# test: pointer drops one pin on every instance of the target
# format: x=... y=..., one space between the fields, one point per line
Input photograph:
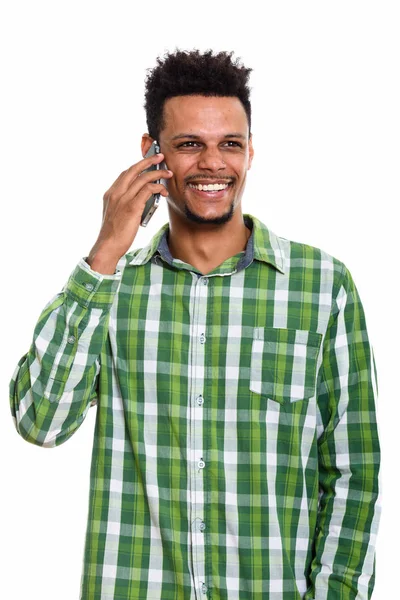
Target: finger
x=140 y=182
x=153 y=175
x=126 y=178
x=144 y=193
x=141 y=166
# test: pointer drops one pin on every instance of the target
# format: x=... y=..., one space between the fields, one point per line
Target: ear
x=251 y=151
x=146 y=143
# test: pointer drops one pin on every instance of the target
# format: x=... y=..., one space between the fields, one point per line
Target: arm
x=348 y=456
x=55 y=383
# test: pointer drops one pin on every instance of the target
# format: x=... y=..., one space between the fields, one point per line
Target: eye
x=229 y=142
x=184 y=144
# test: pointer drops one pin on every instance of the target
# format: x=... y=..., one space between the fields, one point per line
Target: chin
x=196 y=216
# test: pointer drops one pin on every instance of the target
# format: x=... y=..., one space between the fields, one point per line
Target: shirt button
x=204 y=281
x=204 y=588
x=202 y=338
x=71 y=339
x=201 y=464
x=89 y=286
x=202 y=526
x=200 y=400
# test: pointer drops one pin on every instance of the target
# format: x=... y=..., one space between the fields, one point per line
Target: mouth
x=210 y=194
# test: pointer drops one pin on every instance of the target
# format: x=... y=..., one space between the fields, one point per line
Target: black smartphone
x=153 y=202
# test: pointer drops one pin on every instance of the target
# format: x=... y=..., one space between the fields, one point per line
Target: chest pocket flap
x=284 y=363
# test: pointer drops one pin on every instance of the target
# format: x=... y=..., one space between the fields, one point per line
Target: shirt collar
x=266 y=245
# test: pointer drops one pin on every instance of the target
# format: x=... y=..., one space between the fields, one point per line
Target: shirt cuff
x=88 y=287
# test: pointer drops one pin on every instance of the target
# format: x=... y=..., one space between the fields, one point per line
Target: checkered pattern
x=235 y=452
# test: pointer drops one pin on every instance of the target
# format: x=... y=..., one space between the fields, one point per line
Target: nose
x=211 y=159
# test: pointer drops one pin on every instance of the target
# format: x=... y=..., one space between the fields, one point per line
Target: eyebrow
x=198 y=137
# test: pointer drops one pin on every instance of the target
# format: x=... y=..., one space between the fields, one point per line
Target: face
x=205 y=140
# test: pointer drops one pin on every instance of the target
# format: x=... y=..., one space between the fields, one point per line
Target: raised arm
x=54 y=384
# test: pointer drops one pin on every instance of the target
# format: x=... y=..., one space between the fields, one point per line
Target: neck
x=207 y=246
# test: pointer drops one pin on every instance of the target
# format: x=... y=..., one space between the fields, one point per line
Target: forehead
x=204 y=115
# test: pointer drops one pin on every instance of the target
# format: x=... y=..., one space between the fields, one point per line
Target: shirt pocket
x=284 y=363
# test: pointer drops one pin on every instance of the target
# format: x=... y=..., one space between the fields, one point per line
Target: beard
x=200 y=220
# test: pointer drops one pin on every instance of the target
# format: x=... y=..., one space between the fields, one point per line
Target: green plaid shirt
x=236 y=452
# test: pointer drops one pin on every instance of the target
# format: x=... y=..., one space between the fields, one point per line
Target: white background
x=326 y=129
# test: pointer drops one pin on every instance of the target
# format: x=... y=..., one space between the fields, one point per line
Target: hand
x=123 y=205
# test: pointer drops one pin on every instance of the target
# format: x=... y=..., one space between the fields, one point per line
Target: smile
x=210 y=191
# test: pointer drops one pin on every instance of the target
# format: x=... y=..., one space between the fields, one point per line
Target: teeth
x=209 y=187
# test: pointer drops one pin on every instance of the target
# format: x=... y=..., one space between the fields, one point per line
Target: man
x=236 y=451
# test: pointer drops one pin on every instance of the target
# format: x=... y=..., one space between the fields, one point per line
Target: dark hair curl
x=186 y=73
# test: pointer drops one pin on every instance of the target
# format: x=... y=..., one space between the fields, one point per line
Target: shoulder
x=303 y=260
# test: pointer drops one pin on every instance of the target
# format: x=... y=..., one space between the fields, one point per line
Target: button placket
x=199 y=312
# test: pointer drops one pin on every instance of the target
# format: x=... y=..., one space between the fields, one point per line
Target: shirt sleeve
x=349 y=510
x=55 y=383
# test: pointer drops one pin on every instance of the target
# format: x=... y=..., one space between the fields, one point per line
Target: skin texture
x=204 y=233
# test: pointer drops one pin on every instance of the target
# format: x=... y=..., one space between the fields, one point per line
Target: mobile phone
x=153 y=202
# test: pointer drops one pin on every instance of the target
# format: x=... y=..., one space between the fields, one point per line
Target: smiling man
x=236 y=452
x=213 y=147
